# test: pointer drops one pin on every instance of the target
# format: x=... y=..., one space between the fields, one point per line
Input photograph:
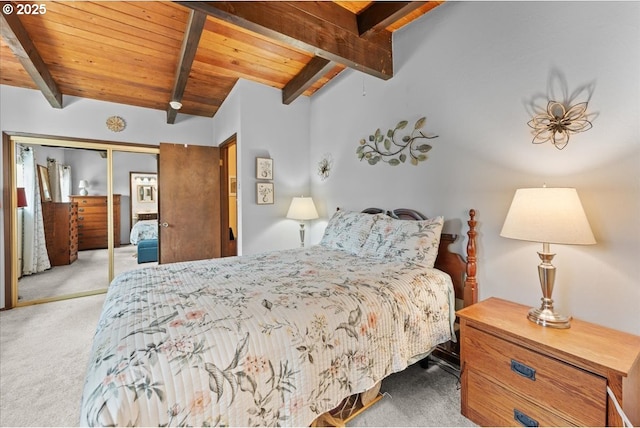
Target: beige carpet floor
x=89 y=272
x=44 y=350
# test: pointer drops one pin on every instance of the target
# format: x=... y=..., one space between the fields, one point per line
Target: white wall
x=266 y=128
x=473 y=68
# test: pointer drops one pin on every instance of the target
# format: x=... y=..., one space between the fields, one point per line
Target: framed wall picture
x=233 y=185
x=145 y=193
x=264 y=169
x=264 y=193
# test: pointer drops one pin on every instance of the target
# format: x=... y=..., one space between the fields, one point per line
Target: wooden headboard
x=461 y=269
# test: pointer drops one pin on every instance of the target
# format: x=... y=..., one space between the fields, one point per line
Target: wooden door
x=188 y=202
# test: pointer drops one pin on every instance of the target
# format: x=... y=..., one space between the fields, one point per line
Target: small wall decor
x=264 y=169
x=388 y=149
x=557 y=123
x=116 y=123
x=233 y=185
x=324 y=166
x=264 y=193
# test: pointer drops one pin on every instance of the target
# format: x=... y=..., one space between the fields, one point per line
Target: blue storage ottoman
x=147 y=251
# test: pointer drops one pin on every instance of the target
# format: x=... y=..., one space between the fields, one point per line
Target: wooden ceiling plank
x=78 y=41
x=110 y=20
x=219 y=34
x=237 y=58
x=71 y=52
x=76 y=24
x=16 y=36
x=89 y=83
x=381 y=14
x=192 y=33
x=156 y=13
x=215 y=67
x=410 y=17
x=282 y=22
x=315 y=69
x=353 y=6
x=337 y=69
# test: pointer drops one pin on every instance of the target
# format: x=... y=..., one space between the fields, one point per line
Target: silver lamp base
x=547 y=317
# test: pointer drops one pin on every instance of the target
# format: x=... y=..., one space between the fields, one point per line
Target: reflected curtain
x=59 y=180
x=34 y=246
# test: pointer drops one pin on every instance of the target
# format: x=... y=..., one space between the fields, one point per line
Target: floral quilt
x=270 y=339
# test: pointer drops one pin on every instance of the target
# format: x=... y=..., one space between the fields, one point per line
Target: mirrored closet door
x=70 y=219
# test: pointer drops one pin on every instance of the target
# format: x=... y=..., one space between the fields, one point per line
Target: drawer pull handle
x=524 y=419
x=523 y=370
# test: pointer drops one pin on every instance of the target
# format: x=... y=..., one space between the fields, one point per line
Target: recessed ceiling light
x=176 y=105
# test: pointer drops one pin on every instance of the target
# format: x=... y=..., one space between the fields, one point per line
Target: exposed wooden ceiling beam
x=381 y=14
x=287 y=23
x=16 y=36
x=192 y=34
x=315 y=69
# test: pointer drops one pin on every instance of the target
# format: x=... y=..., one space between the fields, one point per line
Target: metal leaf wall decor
x=557 y=123
x=392 y=149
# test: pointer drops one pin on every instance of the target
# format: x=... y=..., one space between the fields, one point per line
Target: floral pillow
x=348 y=230
x=404 y=240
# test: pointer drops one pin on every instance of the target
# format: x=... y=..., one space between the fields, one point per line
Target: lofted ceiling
x=148 y=53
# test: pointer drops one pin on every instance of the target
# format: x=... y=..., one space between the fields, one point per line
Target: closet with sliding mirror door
x=64 y=238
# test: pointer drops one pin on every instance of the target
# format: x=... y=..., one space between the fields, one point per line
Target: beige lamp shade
x=302 y=208
x=548 y=215
x=22 y=197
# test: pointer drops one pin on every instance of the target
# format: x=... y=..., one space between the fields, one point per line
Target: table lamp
x=302 y=209
x=83 y=186
x=549 y=216
x=22 y=197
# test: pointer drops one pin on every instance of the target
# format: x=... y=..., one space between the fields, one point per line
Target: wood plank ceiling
x=148 y=53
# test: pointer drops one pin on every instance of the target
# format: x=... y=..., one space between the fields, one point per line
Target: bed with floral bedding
x=143 y=229
x=276 y=338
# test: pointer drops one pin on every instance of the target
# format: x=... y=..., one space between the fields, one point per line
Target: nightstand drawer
x=492 y=405
x=569 y=392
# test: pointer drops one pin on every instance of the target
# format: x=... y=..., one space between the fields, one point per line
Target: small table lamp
x=302 y=209
x=547 y=215
x=83 y=186
x=22 y=197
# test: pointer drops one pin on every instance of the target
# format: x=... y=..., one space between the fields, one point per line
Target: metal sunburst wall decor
x=557 y=123
x=388 y=149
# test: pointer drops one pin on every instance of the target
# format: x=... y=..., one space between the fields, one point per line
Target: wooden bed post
x=470 y=283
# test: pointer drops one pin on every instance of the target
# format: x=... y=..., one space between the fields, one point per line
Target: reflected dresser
x=61 y=232
x=92 y=221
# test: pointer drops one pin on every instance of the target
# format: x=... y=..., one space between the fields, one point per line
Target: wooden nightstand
x=517 y=372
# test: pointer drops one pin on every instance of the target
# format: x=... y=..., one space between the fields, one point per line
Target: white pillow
x=348 y=230
x=408 y=241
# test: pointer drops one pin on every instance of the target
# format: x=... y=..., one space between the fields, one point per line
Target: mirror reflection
x=62 y=244
x=50 y=261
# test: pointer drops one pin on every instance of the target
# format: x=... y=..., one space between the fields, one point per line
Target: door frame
x=224 y=193
x=9 y=199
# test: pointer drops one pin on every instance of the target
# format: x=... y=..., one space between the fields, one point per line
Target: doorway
x=229 y=196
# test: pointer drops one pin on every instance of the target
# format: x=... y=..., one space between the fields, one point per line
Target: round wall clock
x=116 y=123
